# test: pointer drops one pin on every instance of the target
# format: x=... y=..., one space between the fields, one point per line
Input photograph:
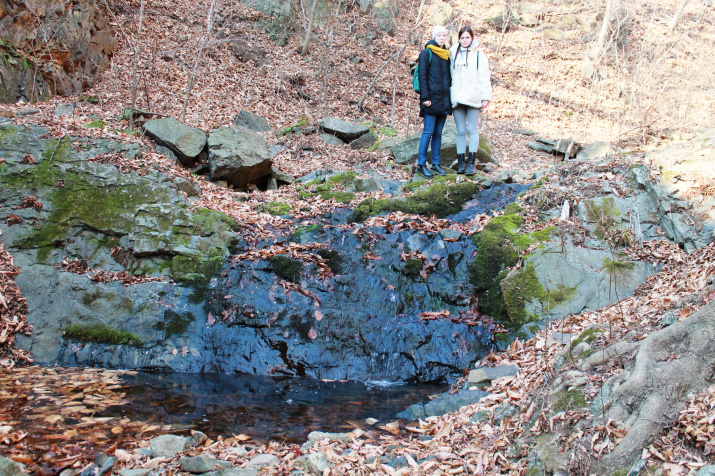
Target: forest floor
x=657 y=92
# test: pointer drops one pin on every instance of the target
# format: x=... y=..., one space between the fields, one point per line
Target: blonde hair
x=437 y=30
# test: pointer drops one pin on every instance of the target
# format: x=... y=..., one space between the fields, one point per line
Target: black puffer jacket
x=435 y=81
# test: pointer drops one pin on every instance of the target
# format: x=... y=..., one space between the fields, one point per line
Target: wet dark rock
x=444 y=403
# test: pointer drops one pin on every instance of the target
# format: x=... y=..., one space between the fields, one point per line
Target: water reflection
x=263 y=408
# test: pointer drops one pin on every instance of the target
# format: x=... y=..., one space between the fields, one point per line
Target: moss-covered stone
x=588 y=336
x=286 y=268
x=101 y=334
x=523 y=287
x=96 y=124
x=440 y=200
x=604 y=214
x=344 y=179
x=333 y=259
x=273 y=208
x=569 y=400
x=304 y=233
x=413 y=267
x=174 y=324
x=614 y=266
x=499 y=246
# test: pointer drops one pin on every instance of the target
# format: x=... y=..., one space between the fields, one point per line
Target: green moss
x=502 y=338
x=409 y=299
x=174 y=323
x=342 y=197
x=96 y=124
x=523 y=287
x=413 y=267
x=605 y=215
x=196 y=269
x=513 y=208
x=273 y=208
x=89 y=99
x=440 y=199
x=286 y=268
x=304 y=232
x=333 y=258
x=614 y=266
x=302 y=121
x=90 y=299
x=588 y=336
x=344 y=178
x=101 y=334
x=569 y=400
x=387 y=131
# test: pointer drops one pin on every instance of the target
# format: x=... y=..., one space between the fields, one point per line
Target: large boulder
x=252 y=121
x=187 y=143
x=343 y=130
x=239 y=156
x=65 y=62
x=560 y=279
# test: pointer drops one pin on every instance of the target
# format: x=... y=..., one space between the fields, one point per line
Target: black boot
x=471 y=158
x=437 y=170
x=424 y=171
x=460 y=163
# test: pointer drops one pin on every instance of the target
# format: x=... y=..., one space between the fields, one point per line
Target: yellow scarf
x=441 y=52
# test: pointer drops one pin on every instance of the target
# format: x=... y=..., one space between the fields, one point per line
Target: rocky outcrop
x=188 y=144
x=343 y=130
x=52 y=48
x=252 y=121
x=239 y=156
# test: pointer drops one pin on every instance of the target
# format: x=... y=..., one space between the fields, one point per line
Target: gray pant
x=467 y=118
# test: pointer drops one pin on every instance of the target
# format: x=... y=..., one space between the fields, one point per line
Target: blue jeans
x=431 y=133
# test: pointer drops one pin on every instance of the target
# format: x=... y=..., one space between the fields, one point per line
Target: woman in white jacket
x=471 y=92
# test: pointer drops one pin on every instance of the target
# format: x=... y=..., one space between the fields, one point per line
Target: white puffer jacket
x=470 y=86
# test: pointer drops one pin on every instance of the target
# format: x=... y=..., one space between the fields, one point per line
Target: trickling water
x=263 y=408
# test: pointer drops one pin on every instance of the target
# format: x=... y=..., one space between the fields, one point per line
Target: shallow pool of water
x=263 y=408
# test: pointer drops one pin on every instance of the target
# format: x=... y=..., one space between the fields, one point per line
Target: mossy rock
x=413 y=268
x=523 y=287
x=333 y=258
x=101 y=334
x=440 y=199
x=569 y=400
x=286 y=268
x=499 y=246
x=174 y=324
x=273 y=208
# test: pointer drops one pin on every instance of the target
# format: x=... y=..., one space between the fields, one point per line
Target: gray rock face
x=313 y=463
x=363 y=142
x=596 y=150
x=10 y=468
x=574 y=279
x=201 y=464
x=168 y=445
x=187 y=143
x=708 y=470
x=263 y=461
x=281 y=176
x=252 y=121
x=487 y=374
x=445 y=403
x=330 y=139
x=238 y=156
x=343 y=130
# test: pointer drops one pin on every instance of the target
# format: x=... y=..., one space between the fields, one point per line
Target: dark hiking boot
x=461 y=163
x=437 y=170
x=424 y=171
x=471 y=158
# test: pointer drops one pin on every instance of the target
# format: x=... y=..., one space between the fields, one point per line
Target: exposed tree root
x=669 y=364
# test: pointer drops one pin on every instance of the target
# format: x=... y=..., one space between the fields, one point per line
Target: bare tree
x=309 y=31
x=204 y=42
x=603 y=33
x=676 y=16
x=136 y=63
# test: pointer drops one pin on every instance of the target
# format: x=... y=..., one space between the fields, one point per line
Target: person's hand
x=485 y=104
x=427 y=103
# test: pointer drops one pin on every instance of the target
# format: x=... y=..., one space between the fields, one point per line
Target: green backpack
x=416 y=73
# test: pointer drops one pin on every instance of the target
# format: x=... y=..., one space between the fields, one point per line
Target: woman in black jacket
x=435 y=104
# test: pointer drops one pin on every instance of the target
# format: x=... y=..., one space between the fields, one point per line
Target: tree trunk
x=605 y=28
x=309 y=31
x=676 y=16
x=136 y=62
